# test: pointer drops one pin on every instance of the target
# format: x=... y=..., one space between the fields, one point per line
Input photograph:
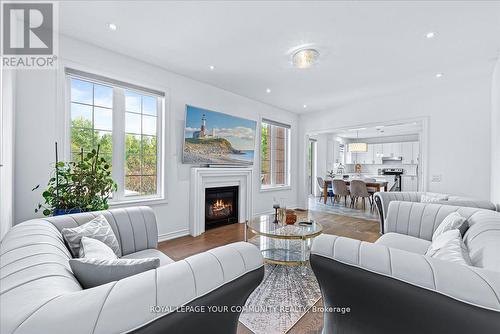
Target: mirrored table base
x=292 y=252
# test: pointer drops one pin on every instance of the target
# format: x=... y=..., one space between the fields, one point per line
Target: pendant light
x=358 y=146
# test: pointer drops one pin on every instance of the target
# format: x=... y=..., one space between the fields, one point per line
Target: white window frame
x=118 y=174
x=273 y=186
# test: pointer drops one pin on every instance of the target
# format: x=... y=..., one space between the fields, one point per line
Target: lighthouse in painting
x=203 y=125
x=203 y=129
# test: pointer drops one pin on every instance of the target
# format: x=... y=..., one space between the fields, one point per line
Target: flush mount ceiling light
x=439 y=75
x=268 y=90
x=430 y=34
x=112 y=26
x=212 y=67
x=305 y=106
x=305 y=58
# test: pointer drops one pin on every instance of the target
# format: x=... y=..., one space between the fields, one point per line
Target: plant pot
x=60 y=212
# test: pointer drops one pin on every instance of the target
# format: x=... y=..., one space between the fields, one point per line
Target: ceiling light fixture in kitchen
x=358 y=146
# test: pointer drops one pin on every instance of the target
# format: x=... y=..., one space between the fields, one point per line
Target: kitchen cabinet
x=369 y=158
x=396 y=147
x=415 y=152
x=410 y=152
x=365 y=158
x=407 y=152
x=350 y=157
x=409 y=183
x=378 y=153
x=391 y=149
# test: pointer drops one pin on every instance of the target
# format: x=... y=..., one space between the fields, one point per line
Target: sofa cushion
x=94 y=272
x=95 y=249
x=453 y=221
x=449 y=246
x=98 y=228
x=149 y=253
x=404 y=242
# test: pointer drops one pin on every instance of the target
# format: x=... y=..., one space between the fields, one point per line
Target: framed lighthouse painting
x=212 y=137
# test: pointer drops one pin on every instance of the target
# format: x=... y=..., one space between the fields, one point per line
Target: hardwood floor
x=351 y=227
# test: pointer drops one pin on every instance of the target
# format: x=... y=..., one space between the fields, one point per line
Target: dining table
x=379 y=185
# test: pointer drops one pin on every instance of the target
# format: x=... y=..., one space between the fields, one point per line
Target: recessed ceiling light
x=268 y=90
x=305 y=58
x=430 y=35
x=439 y=75
x=212 y=67
x=112 y=26
x=305 y=106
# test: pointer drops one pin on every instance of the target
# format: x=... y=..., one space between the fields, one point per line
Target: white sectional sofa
x=39 y=294
x=392 y=287
x=383 y=199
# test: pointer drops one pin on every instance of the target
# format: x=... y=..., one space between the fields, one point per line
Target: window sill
x=275 y=188
x=138 y=201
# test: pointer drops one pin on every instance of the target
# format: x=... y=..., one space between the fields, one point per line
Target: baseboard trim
x=173 y=235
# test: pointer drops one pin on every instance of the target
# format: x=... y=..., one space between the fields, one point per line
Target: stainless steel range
x=397 y=172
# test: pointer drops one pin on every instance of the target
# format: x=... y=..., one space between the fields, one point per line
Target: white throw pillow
x=449 y=246
x=95 y=249
x=433 y=197
x=451 y=222
x=98 y=228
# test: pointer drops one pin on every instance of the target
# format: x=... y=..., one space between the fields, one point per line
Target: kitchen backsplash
x=373 y=169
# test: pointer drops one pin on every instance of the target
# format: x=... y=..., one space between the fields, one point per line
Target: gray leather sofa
x=391 y=287
x=382 y=199
x=39 y=294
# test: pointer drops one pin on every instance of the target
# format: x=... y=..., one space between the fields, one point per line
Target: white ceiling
x=364 y=45
x=382 y=131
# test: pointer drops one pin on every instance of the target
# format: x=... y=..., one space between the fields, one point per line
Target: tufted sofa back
x=421 y=220
x=132 y=237
x=483 y=239
x=34 y=267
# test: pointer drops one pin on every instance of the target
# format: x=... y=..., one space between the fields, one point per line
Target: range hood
x=392 y=159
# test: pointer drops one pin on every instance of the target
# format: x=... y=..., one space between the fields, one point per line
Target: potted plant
x=78 y=186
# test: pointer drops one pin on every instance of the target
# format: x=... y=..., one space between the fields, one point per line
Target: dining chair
x=340 y=190
x=321 y=185
x=359 y=190
x=371 y=190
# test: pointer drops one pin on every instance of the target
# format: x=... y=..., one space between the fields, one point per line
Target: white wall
x=495 y=136
x=7 y=104
x=458 y=110
x=39 y=122
x=321 y=159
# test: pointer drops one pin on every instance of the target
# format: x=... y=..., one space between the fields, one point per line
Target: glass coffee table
x=282 y=244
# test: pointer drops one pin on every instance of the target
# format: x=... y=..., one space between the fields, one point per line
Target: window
x=125 y=122
x=275 y=154
x=91 y=118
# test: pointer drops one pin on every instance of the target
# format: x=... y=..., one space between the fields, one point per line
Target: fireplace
x=221 y=206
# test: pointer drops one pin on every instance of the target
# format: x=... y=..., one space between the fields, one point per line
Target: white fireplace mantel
x=202 y=178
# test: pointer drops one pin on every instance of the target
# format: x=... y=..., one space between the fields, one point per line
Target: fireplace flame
x=220 y=205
